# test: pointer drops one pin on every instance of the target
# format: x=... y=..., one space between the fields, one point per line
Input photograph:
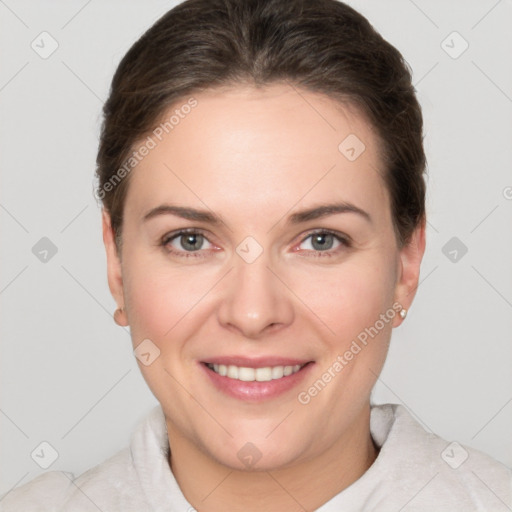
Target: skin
x=254 y=157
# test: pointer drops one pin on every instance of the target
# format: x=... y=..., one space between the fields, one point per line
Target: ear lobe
x=411 y=256
x=114 y=272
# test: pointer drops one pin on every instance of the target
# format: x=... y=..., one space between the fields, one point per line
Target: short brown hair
x=323 y=46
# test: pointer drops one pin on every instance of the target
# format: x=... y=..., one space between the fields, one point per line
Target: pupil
x=190 y=241
x=320 y=240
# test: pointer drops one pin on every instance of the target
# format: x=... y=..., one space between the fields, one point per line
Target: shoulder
x=115 y=484
x=46 y=492
x=59 y=490
x=439 y=471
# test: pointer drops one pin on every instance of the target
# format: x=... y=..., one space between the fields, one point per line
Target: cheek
x=150 y=302
x=163 y=301
x=161 y=306
x=351 y=297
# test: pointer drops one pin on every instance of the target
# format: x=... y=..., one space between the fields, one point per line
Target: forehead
x=263 y=147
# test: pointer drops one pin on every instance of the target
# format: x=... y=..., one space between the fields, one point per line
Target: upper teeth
x=254 y=374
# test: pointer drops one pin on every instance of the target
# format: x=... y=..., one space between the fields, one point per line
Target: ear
x=410 y=257
x=114 y=272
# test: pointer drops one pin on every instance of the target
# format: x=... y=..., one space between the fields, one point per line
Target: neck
x=301 y=486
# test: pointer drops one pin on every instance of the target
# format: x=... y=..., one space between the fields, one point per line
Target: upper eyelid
x=174 y=234
x=338 y=236
x=171 y=236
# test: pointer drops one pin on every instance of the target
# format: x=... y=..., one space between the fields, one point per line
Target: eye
x=185 y=241
x=324 y=241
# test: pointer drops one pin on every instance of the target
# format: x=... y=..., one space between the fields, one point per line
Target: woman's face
x=289 y=264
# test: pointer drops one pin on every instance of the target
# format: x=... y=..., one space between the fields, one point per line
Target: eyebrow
x=302 y=216
x=318 y=212
x=184 y=213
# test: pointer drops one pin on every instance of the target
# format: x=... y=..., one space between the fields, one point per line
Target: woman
x=261 y=172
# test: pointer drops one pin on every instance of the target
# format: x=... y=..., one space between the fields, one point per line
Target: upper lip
x=256 y=362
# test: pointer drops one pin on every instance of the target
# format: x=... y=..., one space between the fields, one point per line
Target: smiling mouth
x=246 y=374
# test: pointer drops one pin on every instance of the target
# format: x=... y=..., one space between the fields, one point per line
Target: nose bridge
x=254 y=280
x=255 y=298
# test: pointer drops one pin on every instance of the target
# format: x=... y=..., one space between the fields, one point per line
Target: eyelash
x=166 y=239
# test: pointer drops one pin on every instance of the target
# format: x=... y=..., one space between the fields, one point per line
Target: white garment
x=409 y=474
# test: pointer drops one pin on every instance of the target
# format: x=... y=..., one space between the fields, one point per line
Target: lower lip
x=256 y=391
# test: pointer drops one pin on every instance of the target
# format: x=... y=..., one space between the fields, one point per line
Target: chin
x=252 y=457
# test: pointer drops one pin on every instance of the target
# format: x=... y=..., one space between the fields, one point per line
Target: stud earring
x=403 y=313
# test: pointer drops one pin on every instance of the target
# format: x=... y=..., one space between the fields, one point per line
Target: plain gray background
x=68 y=375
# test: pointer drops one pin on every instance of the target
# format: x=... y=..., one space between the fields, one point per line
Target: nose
x=255 y=301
